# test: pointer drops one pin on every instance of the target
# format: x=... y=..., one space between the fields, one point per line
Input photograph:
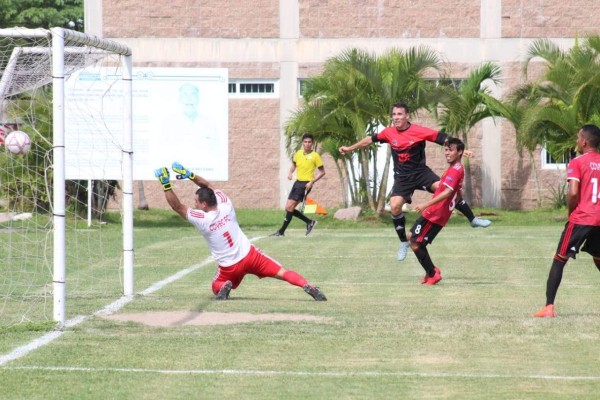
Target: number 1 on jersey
x=227 y=237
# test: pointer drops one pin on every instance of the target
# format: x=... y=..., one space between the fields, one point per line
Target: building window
x=301 y=87
x=548 y=162
x=257 y=88
x=455 y=82
x=253 y=88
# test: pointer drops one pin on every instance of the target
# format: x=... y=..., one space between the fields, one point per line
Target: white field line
x=109 y=309
x=393 y=255
x=22 y=351
x=115 y=306
x=339 y=374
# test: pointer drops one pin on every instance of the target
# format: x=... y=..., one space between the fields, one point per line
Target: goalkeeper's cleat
x=402 y=251
x=480 y=222
x=310 y=226
x=277 y=234
x=546 y=312
x=314 y=292
x=426 y=277
x=432 y=280
x=224 y=291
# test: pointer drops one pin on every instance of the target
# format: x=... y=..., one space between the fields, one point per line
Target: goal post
x=41 y=57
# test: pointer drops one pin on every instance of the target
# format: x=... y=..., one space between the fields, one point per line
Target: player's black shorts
x=573 y=236
x=405 y=185
x=297 y=192
x=424 y=231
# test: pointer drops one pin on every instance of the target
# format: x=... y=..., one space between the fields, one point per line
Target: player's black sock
x=303 y=217
x=286 y=222
x=464 y=208
x=425 y=261
x=399 y=225
x=554 y=278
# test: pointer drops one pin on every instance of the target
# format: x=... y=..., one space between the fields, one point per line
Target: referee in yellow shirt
x=305 y=161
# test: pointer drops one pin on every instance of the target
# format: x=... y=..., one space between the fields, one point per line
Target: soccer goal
x=60 y=237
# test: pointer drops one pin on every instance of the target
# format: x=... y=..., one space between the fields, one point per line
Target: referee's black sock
x=464 y=208
x=399 y=225
x=425 y=261
x=303 y=217
x=286 y=222
x=554 y=278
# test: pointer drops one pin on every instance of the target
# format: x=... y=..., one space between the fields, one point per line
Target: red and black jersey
x=440 y=213
x=408 y=146
x=586 y=170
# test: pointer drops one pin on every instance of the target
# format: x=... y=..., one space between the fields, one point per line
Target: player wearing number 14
x=214 y=217
x=583 y=202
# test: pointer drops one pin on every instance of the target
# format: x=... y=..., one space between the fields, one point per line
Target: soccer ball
x=17 y=142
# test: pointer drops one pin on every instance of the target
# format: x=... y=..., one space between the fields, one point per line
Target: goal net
x=59 y=239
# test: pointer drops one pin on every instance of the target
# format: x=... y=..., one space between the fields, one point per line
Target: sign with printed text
x=179 y=114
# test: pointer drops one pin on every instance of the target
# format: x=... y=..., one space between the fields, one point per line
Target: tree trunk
x=536 y=178
x=340 y=166
x=384 y=181
x=351 y=182
x=364 y=161
x=142 y=202
x=468 y=192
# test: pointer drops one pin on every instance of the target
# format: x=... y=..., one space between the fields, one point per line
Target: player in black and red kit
x=410 y=170
x=436 y=212
x=583 y=201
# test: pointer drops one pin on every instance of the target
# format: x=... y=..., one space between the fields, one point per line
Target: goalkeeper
x=214 y=217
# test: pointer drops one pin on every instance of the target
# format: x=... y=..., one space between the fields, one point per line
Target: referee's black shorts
x=297 y=192
x=405 y=185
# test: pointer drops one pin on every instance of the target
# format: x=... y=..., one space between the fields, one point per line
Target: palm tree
x=340 y=106
x=565 y=96
x=352 y=98
x=515 y=110
x=460 y=108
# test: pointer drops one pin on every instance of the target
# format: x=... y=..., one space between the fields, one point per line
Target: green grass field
x=381 y=335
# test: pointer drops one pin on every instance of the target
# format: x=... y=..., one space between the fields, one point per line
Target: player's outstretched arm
x=163 y=176
x=447 y=193
x=364 y=142
x=200 y=181
x=184 y=173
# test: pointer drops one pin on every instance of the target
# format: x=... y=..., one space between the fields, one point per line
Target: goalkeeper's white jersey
x=227 y=243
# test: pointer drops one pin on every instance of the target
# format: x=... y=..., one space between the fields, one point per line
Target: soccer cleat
x=546 y=312
x=277 y=234
x=314 y=292
x=480 y=222
x=437 y=271
x=402 y=251
x=224 y=291
x=310 y=226
x=432 y=280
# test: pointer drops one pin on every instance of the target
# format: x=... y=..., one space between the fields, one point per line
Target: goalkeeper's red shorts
x=255 y=263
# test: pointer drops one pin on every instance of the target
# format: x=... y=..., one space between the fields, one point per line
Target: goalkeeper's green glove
x=163 y=177
x=182 y=172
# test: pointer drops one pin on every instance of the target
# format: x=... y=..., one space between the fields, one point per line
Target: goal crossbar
x=70 y=36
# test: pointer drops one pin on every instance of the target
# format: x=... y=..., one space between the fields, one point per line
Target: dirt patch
x=182 y=318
